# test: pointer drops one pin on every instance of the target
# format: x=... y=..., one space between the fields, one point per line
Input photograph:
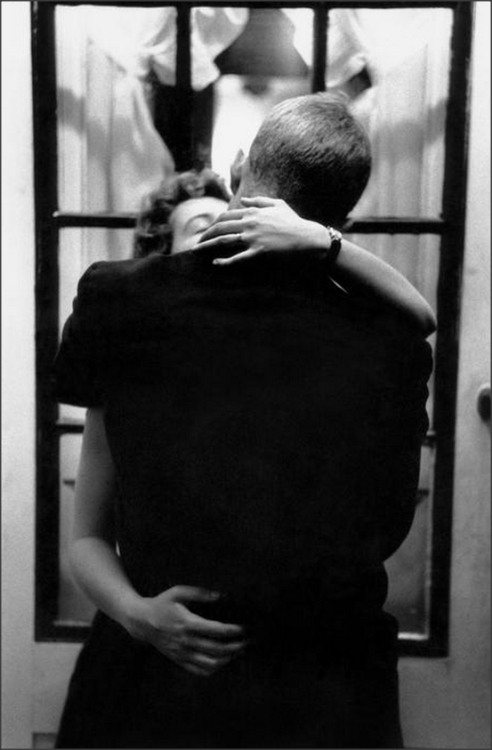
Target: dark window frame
x=49 y=220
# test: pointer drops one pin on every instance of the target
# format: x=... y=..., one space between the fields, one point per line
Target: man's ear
x=237 y=170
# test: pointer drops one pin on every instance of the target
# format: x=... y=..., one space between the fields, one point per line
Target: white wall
x=18 y=430
x=446 y=703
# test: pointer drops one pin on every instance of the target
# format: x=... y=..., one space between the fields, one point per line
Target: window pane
x=78 y=249
x=73 y=605
x=409 y=568
x=417 y=258
x=263 y=66
x=394 y=66
x=110 y=153
x=117 y=128
x=242 y=103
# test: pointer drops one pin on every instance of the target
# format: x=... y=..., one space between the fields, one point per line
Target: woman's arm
x=363 y=273
x=268 y=225
x=198 y=645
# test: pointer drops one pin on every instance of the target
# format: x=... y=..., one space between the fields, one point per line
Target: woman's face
x=190 y=219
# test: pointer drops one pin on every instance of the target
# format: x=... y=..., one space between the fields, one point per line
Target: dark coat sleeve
x=395 y=458
x=76 y=369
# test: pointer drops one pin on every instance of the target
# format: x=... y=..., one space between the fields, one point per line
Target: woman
x=194 y=629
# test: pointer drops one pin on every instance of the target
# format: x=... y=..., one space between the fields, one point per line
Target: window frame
x=49 y=221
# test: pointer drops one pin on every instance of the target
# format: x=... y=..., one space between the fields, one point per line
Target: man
x=262 y=428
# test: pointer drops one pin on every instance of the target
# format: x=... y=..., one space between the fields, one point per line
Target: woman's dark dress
x=266 y=440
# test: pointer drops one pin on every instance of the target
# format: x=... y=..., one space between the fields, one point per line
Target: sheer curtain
x=406 y=53
x=110 y=154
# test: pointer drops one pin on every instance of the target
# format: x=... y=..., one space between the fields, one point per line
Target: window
x=190 y=98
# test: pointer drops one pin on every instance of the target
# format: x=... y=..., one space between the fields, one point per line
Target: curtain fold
x=110 y=154
x=102 y=95
x=405 y=53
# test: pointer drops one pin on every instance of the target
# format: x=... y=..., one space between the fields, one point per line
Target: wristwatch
x=335 y=245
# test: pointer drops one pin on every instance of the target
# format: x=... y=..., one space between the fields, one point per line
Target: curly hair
x=153 y=233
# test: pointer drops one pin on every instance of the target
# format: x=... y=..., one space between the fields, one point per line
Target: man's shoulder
x=128 y=296
x=106 y=276
x=107 y=283
x=159 y=267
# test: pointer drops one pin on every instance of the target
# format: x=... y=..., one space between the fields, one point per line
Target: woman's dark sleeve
x=76 y=372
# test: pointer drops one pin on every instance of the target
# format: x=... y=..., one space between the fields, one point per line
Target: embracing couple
x=256 y=389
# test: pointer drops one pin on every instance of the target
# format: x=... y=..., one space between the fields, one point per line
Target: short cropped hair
x=153 y=233
x=311 y=152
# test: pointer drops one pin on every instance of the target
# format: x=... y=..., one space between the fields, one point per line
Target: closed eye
x=198 y=224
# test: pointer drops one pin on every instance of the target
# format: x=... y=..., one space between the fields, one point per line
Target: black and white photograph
x=246 y=374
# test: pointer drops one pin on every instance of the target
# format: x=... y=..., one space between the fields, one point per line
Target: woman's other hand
x=264 y=226
x=198 y=645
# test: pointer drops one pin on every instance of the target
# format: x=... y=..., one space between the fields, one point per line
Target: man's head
x=312 y=153
x=174 y=216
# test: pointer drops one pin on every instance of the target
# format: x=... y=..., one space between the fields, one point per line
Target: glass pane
x=242 y=103
x=43 y=741
x=417 y=258
x=118 y=133
x=263 y=66
x=409 y=568
x=394 y=66
x=110 y=153
x=78 y=249
x=73 y=605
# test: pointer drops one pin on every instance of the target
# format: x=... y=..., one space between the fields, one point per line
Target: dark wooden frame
x=49 y=220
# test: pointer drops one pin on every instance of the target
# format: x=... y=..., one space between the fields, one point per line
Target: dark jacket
x=266 y=433
x=266 y=429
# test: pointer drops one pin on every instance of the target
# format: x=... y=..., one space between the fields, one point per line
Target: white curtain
x=110 y=154
x=406 y=52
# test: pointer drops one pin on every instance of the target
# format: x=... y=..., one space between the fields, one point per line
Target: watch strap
x=335 y=245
